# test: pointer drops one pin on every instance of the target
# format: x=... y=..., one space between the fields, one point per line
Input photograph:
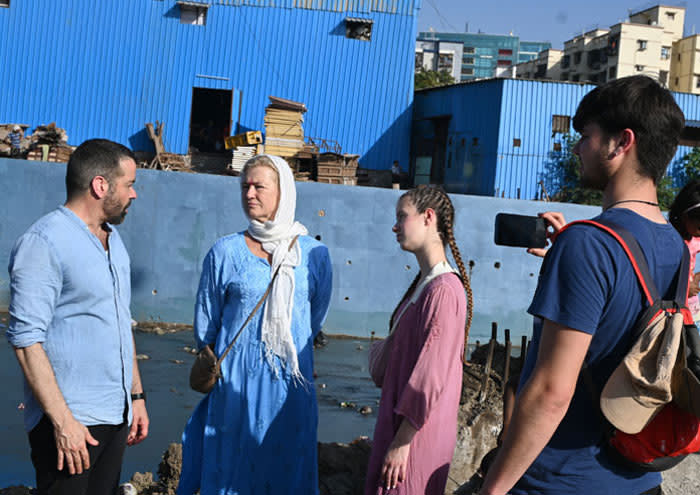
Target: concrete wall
x=178 y=216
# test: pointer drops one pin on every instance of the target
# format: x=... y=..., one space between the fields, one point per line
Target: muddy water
x=341 y=367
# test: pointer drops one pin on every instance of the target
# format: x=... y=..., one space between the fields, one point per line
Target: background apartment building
x=685 y=65
x=481 y=55
x=647 y=43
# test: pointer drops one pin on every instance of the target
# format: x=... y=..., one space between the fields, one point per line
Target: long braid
x=424 y=197
x=467 y=286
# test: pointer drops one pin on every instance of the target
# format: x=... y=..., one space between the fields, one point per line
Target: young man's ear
x=624 y=141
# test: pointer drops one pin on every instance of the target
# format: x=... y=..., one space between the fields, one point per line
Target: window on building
x=561 y=124
x=564 y=76
x=641 y=45
x=467 y=71
x=445 y=61
x=663 y=78
x=358 y=29
x=665 y=52
x=193 y=13
x=697 y=80
x=577 y=58
x=541 y=71
x=612 y=45
x=639 y=68
x=468 y=49
x=670 y=15
x=504 y=63
x=679 y=57
x=505 y=52
x=565 y=61
x=677 y=82
x=468 y=60
x=419 y=60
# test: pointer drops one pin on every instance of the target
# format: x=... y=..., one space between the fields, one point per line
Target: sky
x=538 y=20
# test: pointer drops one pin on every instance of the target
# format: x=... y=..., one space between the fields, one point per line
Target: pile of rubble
x=48 y=143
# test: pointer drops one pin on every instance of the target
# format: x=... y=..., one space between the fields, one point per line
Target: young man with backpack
x=588 y=299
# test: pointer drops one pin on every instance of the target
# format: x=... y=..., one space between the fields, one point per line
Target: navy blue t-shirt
x=587 y=283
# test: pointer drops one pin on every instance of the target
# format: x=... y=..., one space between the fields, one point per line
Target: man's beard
x=114 y=211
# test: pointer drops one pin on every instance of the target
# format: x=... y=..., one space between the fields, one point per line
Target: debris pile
x=284 y=134
x=334 y=168
x=49 y=143
x=164 y=160
x=245 y=146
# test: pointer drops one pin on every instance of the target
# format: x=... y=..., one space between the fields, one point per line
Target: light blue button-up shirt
x=72 y=296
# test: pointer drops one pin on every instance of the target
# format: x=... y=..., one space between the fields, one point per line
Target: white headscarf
x=275 y=236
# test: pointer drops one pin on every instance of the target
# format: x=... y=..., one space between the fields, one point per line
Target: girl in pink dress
x=685 y=217
x=416 y=430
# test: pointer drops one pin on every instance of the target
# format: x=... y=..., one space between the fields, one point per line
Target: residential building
x=439 y=56
x=641 y=45
x=501 y=137
x=106 y=68
x=685 y=65
x=483 y=55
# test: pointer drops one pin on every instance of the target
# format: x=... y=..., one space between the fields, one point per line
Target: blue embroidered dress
x=255 y=432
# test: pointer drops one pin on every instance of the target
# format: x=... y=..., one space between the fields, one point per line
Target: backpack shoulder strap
x=631 y=248
x=641 y=268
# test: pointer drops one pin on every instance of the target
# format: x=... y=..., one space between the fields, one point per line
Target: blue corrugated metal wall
x=513 y=120
x=527 y=108
x=105 y=68
x=472 y=137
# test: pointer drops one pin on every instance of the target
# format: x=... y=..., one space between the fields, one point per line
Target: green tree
x=431 y=78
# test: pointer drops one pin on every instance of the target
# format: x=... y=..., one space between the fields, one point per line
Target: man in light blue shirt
x=70 y=325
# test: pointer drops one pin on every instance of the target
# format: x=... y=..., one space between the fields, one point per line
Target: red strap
x=626 y=248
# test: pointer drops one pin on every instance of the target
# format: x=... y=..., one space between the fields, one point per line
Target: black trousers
x=105 y=461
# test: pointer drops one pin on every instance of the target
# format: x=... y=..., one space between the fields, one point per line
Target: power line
x=443 y=19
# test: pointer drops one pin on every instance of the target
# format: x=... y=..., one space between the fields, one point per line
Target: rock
x=142 y=482
x=365 y=410
x=342 y=467
x=320 y=340
x=177 y=361
x=479 y=424
x=170 y=468
x=143 y=357
x=16 y=490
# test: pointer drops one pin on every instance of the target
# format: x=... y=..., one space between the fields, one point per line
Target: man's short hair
x=93 y=158
x=638 y=103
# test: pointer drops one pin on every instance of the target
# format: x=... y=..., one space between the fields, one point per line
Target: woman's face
x=260 y=193
x=410 y=227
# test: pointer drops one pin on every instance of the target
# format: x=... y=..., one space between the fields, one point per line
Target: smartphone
x=520 y=231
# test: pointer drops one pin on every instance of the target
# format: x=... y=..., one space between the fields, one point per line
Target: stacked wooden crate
x=284 y=134
x=334 y=168
x=241 y=154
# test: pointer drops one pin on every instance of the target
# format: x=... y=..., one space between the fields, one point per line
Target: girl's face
x=692 y=226
x=411 y=227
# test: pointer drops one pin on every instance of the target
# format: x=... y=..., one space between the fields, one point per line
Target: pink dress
x=423 y=383
x=693 y=303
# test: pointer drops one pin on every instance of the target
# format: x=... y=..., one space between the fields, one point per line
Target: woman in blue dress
x=255 y=432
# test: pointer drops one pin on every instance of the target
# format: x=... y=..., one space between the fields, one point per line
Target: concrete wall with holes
x=178 y=216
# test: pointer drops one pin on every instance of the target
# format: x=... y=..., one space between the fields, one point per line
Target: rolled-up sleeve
x=35 y=286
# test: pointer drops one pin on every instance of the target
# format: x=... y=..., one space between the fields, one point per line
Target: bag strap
x=257 y=306
x=639 y=263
